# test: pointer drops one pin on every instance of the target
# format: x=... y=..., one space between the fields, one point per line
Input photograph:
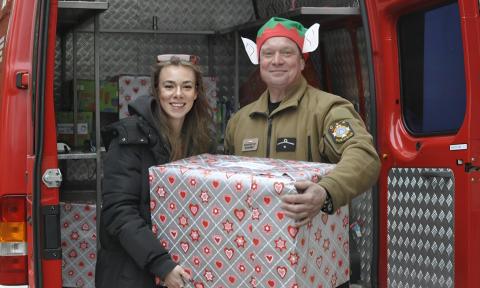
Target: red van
x=411 y=68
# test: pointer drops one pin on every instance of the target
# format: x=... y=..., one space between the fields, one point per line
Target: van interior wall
x=132 y=53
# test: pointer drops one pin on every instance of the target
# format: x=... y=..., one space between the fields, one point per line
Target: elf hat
x=306 y=39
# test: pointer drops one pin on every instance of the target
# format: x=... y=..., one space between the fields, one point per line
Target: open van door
x=426 y=64
x=45 y=267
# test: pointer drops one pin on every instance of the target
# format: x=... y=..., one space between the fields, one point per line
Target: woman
x=171 y=124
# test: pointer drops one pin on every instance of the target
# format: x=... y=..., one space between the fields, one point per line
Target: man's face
x=281 y=63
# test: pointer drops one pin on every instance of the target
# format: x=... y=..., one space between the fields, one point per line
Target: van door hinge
x=52 y=178
x=22 y=79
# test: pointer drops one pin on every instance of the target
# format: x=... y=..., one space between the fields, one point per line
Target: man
x=292 y=120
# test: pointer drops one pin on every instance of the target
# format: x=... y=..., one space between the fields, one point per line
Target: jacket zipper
x=269 y=135
x=309 y=146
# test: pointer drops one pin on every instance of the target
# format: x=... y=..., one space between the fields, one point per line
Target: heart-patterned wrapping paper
x=220 y=217
x=79 y=244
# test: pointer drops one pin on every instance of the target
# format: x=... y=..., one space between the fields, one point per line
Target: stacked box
x=129 y=88
x=220 y=217
x=108 y=96
x=65 y=125
x=79 y=244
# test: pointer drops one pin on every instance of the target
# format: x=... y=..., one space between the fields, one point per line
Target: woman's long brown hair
x=197 y=135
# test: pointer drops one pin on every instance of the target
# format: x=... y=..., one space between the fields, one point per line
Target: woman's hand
x=177 y=277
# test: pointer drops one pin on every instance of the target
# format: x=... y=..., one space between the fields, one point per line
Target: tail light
x=13 y=241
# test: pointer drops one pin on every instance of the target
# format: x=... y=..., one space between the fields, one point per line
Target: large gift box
x=220 y=217
x=79 y=244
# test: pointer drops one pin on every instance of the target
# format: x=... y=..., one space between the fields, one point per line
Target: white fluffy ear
x=251 y=49
x=311 y=38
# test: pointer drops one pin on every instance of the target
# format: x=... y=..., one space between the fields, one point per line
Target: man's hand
x=305 y=205
x=177 y=277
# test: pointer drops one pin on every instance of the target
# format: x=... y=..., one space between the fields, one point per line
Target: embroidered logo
x=341 y=131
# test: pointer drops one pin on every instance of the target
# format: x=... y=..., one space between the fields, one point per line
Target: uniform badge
x=250 y=144
x=341 y=131
x=286 y=144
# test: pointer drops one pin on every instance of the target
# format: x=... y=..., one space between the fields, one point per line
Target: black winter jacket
x=130 y=255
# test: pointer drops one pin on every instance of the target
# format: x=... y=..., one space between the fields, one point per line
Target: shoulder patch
x=340 y=131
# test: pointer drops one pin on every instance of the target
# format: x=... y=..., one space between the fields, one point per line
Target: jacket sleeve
x=122 y=188
x=351 y=147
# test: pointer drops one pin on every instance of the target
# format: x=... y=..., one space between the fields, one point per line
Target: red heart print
x=183 y=170
x=266 y=200
x=310 y=252
x=193 y=209
x=271 y=283
x=292 y=231
x=239 y=213
x=162 y=218
x=269 y=258
x=232 y=279
x=312 y=279
x=135 y=89
x=215 y=184
x=171 y=180
x=205 y=223
x=227 y=198
x=183 y=194
x=199 y=285
x=229 y=253
x=280 y=215
x=127 y=81
x=175 y=258
x=332 y=227
x=278 y=187
x=255 y=241
x=185 y=246
x=282 y=271
x=174 y=233
x=319 y=262
x=143 y=82
x=219 y=264
x=217 y=239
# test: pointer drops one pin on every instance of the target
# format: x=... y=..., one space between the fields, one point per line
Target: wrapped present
x=79 y=244
x=220 y=217
x=129 y=88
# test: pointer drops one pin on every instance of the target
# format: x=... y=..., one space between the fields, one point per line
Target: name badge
x=250 y=144
x=286 y=144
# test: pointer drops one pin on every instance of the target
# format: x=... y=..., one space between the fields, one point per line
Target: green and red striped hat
x=281 y=27
x=306 y=39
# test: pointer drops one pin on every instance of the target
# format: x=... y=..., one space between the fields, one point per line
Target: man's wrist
x=327 y=204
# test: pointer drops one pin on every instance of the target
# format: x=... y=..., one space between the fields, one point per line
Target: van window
x=433 y=94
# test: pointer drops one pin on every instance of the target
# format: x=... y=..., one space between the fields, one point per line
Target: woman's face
x=177 y=92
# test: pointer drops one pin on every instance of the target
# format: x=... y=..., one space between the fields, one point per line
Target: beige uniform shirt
x=309 y=125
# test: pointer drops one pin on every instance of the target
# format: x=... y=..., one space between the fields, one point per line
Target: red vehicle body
x=30 y=249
